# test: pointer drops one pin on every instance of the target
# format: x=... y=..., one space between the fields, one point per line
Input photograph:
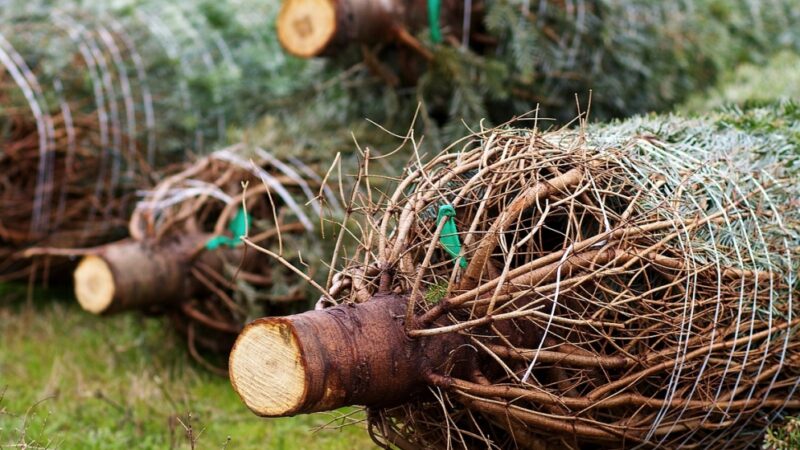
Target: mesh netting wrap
x=95 y=97
x=632 y=285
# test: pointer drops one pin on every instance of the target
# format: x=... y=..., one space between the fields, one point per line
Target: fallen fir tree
x=185 y=256
x=96 y=100
x=623 y=285
x=496 y=58
x=185 y=248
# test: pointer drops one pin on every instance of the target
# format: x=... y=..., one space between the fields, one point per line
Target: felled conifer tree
x=496 y=58
x=97 y=100
x=618 y=285
x=186 y=256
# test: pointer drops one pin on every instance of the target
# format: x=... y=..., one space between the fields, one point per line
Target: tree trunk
x=308 y=28
x=353 y=354
x=130 y=274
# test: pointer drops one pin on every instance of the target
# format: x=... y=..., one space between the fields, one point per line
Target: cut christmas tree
x=622 y=285
x=497 y=58
x=186 y=256
x=98 y=100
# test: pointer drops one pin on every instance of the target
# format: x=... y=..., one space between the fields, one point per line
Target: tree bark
x=345 y=355
x=131 y=274
x=308 y=28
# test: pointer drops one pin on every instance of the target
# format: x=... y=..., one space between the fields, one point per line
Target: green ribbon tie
x=434 y=16
x=449 y=235
x=237 y=227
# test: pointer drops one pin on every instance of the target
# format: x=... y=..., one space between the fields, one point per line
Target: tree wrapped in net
x=186 y=256
x=495 y=58
x=98 y=99
x=623 y=285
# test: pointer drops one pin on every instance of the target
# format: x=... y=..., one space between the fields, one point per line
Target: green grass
x=69 y=380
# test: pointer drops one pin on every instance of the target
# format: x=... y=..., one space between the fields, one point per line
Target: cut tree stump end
x=267 y=368
x=94 y=284
x=306 y=27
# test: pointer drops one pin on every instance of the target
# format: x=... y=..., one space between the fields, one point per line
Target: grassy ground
x=69 y=380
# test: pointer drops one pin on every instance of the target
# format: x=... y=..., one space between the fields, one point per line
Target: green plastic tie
x=449 y=235
x=237 y=227
x=434 y=16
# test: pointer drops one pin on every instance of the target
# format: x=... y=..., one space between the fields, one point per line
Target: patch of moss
x=436 y=293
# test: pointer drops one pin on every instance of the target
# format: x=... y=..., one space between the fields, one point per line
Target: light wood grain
x=306 y=27
x=94 y=284
x=267 y=370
